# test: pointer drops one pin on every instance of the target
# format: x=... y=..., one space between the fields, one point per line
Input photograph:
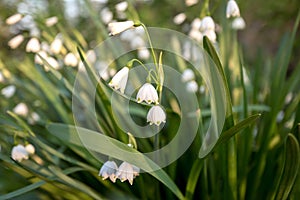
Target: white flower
x=118 y=27
x=128 y=172
x=8 y=91
x=15 y=41
x=238 y=23
x=51 y=21
x=106 y=15
x=52 y=62
x=119 y=81
x=70 y=60
x=187 y=75
x=207 y=23
x=19 y=153
x=190 y=2
x=14 y=19
x=37 y=58
x=156 y=115
x=122 y=6
x=108 y=170
x=143 y=53
x=179 y=18
x=56 y=45
x=192 y=86
x=211 y=35
x=232 y=9
x=196 y=35
x=137 y=42
x=21 y=109
x=196 y=24
x=30 y=149
x=33 y=45
x=147 y=93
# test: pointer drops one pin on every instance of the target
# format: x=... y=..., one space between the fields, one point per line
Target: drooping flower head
x=119 y=81
x=128 y=172
x=19 y=153
x=232 y=9
x=109 y=170
x=156 y=115
x=238 y=23
x=33 y=45
x=118 y=27
x=147 y=93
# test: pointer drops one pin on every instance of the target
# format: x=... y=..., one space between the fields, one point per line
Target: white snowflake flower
x=118 y=27
x=119 y=80
x=21 y=109
x=14 y=19
x=30 y=149
x=15 y=41
x=238 y=23
x=147 y=93
x=33 y=45
x=232 y=9
x=207 y=23
x=51 y=21
x=179 y=18
x=71 y=60
x=156 y=115
x=109 y=170
x=128 y=172
x=19 y=153
x=8 y=91
x=187 y=75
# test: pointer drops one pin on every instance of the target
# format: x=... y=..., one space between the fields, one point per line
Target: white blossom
x=109 y=170
x=71 y=60
x=128 y=172
x=30 y=149
x=37 y=57
x=137 y=42
x=238 y=23
x=56 y=45
x=51 y=21
x=190 y=2
x=156 y=115
x=147 y=93
x=211 y=34
x=232 y=9
x=196 y=35
x=15 y=41
x=122 y=6
x=33 y=45
x=52 y=62
x=143 y=53
x=179 y=18
x=196 y=24
x=187 y=75
x=118 y=27
x=8 y=91
x=119 y=80
x=14 y=19
x=192 y=86
x=21 y=109
x=207 y=23
x=106 y=15
x=19 y=153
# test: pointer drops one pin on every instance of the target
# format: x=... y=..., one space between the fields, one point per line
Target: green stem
x=151 y=46
x=149 y=71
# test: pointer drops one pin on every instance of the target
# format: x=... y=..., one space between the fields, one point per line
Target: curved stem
x=151 y=46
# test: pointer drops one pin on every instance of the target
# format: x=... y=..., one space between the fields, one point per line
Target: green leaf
x=226 y=135
x=103 y=144
x=36 y=185
x=290 y=168
x=193 y=178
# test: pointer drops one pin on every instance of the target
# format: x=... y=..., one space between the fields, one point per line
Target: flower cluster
x=124 y=172
x=20 y=152
x=233 y=11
